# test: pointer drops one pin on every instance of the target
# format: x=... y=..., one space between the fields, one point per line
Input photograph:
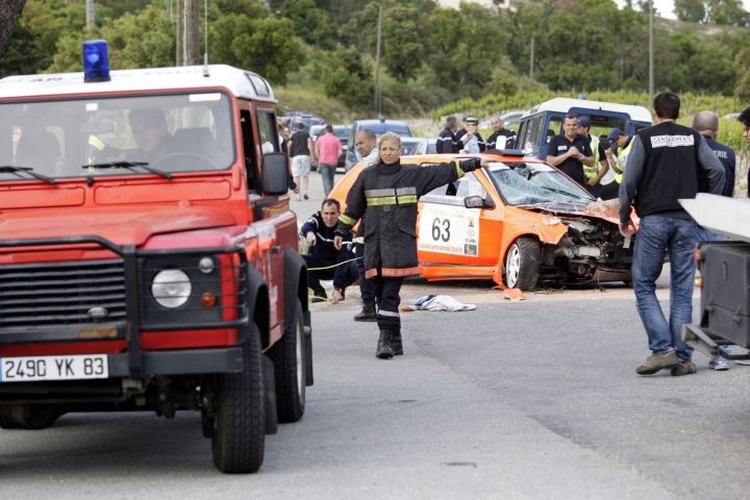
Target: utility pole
x=651 y=48
x=531 y=61
x=191 y=45
x=178 y=33
x=90 y=14
x=378 y=95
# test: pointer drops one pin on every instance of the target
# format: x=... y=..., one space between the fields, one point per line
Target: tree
x=722 y=12
x=403 y=49
x=742 y=89
x=442 y=39
x=10 y=13
x=311 y=24
x=347 y=78
x=267 y=46
x=728 y=12
x=691 y=11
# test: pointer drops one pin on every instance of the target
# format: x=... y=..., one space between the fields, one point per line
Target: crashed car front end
x=592 y=250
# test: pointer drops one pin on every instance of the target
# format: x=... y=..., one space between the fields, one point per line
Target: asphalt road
x=529 y=399
x=515 y=400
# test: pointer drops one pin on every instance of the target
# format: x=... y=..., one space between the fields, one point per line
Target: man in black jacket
x=325 y=261
x=664 y=166
x=447 y=141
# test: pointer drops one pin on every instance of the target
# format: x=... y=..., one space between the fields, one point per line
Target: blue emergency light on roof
x=95 y=61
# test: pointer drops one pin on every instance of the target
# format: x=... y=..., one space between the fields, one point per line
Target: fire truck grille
x=67 y=293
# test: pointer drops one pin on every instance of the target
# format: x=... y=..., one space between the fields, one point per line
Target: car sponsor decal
x=449 y=229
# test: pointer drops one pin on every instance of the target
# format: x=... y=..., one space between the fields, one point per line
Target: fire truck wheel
x=238 y=439
x=29 y=417
x=290 y=366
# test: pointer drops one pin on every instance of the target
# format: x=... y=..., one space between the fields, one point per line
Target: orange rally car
x=519 y=222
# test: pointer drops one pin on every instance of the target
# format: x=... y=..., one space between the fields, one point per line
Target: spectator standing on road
x=284 y=148
x=446 y=141
x=386 y=196
x=706 y=123
x=507 y=138
x=664 y=165
x=324 y=260
x=570 y=151
x=744 y=118
x=596 y=172
x=469 y=140
x=300 y=150
x=366 y=143
x=328 y=147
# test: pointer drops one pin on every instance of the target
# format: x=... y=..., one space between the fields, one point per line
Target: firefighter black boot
x=385 y=351
x=396 y=343
x=367 y=313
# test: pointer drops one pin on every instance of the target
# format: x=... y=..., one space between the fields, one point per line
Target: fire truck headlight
x=171 y=288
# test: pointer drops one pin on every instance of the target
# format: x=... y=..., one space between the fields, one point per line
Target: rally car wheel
x=290 y=366
x=522 y=264
x=239 y=422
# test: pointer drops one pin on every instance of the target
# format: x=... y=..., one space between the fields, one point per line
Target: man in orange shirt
x=327 y=149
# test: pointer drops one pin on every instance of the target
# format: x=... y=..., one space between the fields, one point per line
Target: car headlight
x=171 y=288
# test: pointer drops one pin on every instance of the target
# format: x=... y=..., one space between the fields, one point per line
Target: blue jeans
x=680 y=238
x=327 y=172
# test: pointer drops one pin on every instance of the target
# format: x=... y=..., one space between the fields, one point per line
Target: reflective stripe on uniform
x=593 y=170
x=347 y=220
x=390 y=196
x=389 y=314
x=622 y=160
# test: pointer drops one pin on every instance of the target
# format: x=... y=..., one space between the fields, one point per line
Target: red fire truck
x=148 y=255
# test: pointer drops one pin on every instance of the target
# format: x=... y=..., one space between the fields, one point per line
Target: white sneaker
x=719 y=364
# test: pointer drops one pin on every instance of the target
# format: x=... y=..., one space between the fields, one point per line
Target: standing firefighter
x=386 y=195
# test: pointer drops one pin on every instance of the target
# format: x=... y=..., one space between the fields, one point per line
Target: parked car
x=418 y=145
x=545 y=120
x=379 y=127
x=517 y=222
x=307 y=119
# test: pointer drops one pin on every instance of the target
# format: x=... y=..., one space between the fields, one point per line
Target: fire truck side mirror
x=275 y=174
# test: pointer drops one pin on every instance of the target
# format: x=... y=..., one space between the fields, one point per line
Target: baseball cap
x=471 y=120
x=615 y=134
x=584 y=121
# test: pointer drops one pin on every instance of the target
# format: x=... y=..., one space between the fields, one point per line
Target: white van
x=545 y=120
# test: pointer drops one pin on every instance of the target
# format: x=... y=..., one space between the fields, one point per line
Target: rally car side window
x=454 y=193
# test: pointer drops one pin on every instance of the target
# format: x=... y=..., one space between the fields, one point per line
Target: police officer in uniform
x=570 y=151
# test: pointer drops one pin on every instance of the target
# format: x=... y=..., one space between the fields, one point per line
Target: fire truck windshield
x=170 y=133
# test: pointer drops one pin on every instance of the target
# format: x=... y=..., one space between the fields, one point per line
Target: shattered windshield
x=529 y=183
x=84 y=137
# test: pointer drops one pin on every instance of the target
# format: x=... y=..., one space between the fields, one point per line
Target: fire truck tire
x=29 y=417
x=238 y=439
x=290 y=366
x=522 y=264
